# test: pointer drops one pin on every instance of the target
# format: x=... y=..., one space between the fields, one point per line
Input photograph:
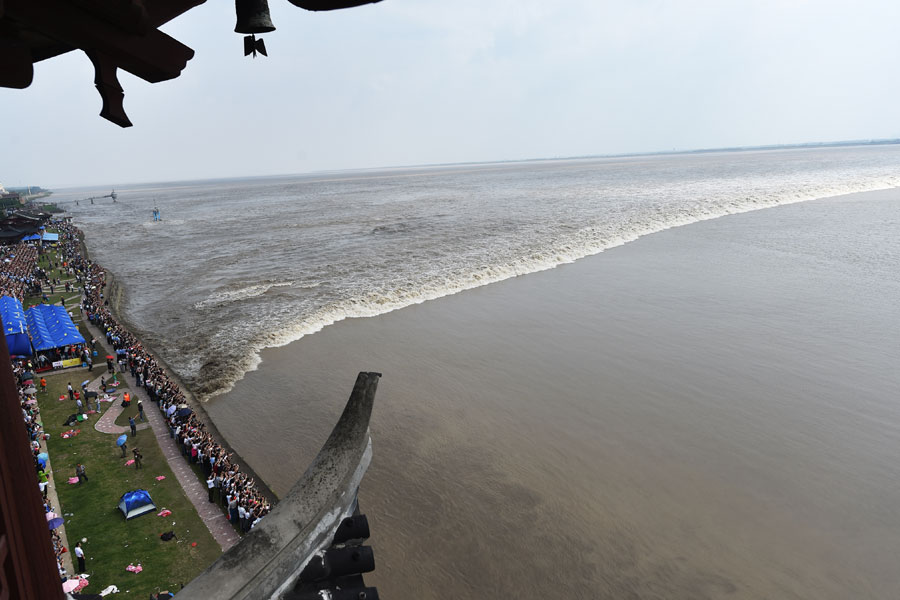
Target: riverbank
x=116 y=295
x=706 y=410
x=87 y=510
x=182 y=490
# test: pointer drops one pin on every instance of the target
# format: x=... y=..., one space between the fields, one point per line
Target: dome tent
x=135 y=503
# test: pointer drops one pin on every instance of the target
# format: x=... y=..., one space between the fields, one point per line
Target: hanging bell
x=252 y=16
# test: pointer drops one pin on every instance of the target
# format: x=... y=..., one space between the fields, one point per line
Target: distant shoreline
x=511 y=161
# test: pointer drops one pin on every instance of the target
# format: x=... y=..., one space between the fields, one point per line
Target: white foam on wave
x=588 y=242
x=243 y=293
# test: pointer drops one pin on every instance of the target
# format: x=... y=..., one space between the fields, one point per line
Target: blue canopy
x=14 y=326
x=46 y=237
x=135 y=503
x=50 y=326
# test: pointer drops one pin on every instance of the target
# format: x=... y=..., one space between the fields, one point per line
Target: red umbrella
x=110 y=357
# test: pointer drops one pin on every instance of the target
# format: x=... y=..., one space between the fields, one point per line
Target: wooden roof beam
x=153 y=57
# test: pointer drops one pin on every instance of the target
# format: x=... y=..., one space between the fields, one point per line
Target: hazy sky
x=434 y=81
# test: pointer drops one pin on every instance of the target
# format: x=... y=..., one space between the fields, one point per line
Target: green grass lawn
x=91 y=509
x=72 y=298
x=131 y=411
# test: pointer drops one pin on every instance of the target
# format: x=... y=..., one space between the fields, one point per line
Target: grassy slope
x=91 y=509
x=92 y=512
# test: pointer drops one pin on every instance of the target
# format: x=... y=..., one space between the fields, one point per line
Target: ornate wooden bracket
x=110 y=90
x=115 y=35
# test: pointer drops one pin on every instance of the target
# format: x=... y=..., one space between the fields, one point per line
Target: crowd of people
x=18 y=273
x=20 y=276
x=31 y=416
x=24 y=375
x=242 y=500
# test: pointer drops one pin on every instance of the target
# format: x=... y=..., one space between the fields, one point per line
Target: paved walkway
x=196 y=491
x=54 y=502
x=111 y=411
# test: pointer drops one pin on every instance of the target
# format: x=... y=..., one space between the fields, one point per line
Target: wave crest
x=235 y=295
x=220 y=378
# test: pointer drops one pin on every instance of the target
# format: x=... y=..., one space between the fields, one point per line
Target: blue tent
x=135 y=503
x=50 y=326
x=45 y=237
x=14 y=326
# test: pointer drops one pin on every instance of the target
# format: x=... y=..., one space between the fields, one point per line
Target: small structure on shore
x=112 y=195
x=18 y=224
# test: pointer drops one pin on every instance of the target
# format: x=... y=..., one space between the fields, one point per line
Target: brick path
x=54 y=502
x=111 y=411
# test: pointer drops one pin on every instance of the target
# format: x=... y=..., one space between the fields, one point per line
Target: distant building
x=17 y=225
x=11 y=199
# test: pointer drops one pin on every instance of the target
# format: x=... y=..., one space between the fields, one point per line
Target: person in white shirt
x=79 y=553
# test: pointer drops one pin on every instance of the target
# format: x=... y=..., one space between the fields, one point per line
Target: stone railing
x=267 y=562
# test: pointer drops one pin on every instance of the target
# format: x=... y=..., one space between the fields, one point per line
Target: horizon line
x=840 y=143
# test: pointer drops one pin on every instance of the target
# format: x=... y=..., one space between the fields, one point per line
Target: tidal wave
x=249 y=265
x=236 y=295
x=585 y=243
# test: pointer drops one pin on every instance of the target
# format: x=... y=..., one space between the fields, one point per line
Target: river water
x=708 y=411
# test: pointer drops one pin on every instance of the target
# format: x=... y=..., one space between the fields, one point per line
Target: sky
x=411 y=82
